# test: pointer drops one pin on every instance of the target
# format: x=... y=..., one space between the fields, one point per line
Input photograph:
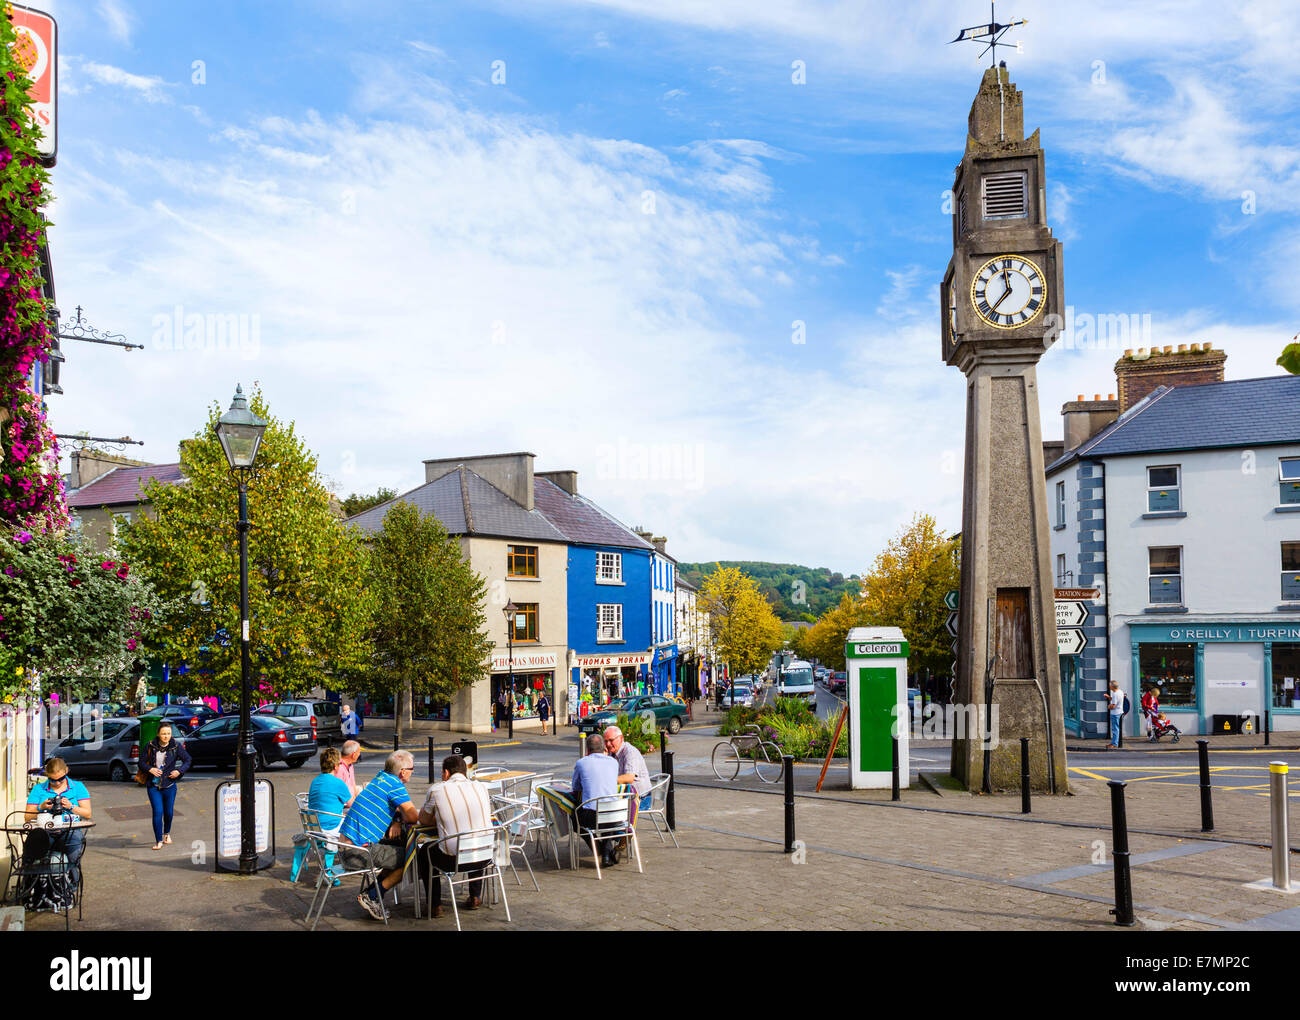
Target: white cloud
x=117 y=18
x=150 y=87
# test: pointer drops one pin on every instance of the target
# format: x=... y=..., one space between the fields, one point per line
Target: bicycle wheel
x=726 y=762
x=768 y=763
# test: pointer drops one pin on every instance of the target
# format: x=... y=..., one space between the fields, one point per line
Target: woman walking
x=163 y=762
x=544 y=710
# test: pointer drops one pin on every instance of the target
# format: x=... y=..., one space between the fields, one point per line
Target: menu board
x=228 y=817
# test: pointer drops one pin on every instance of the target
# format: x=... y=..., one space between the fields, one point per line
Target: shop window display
x=1171 y=669
x=1286 y=676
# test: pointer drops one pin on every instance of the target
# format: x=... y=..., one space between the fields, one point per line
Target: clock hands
x=1004 y=293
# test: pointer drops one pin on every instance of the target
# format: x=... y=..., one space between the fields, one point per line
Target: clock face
x=1008 y=291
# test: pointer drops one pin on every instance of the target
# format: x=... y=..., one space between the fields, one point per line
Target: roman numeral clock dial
x=1007 y=292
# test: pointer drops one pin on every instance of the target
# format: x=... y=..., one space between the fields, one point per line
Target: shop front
x=533 y=675
x=599 y=678
x=1215 y=676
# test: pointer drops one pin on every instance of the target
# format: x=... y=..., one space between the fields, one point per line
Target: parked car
x=185 y=718
x=71 y=718
x=839 y=683
x=321 y=716
x=216 y=742
x=105 y=747
x=669 y=715
x=743 y=692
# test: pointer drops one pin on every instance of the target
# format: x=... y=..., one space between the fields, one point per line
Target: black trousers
x=587 y=819
x=446 y=862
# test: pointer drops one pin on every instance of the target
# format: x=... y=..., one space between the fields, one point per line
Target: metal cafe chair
x=512 y=815
x=329 y=856
x=52 y=880
x=474 y=848
x=612 y=823
x=559 y=822
x=657 y=812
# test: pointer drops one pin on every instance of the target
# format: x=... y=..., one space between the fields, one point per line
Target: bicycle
x=765 y=755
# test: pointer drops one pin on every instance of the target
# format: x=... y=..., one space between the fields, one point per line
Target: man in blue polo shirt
x=374 y=821
x=68 y=801
x=595 y=775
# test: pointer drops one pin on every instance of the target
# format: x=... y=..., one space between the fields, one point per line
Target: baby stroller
x=1161 y=725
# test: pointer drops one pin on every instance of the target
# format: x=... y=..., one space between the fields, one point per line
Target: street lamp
x=510 y=610
x=240 y=432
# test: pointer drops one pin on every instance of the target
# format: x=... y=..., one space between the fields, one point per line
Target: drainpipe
x=1105 y=573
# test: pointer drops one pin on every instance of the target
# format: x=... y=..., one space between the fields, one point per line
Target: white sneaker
x=371 y=906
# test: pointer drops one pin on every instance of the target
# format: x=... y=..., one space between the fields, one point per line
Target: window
x=1171 y=670
x=1165 y=581
x=1286 y=676
x=961 y=214
x=1163 y=489
x=1060 y=570
x=521 y=561
x=1004 y=195
x=1288 y=485
x=609 y=622
x=1060 y=504
x=526 y=622
x=1291 y=571
x=609 y=568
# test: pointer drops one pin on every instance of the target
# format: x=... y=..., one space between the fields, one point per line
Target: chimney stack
x=512 y=473
x=1083 y=419
x=566 y=480
x=1139 y=372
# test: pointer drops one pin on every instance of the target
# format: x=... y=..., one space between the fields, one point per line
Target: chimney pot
x=1080 y=397
x=1096 y=396
x=1110 y=396
x=1169 y=349
x=1128 y=353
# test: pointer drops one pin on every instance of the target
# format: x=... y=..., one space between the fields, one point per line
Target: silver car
x=105 y=747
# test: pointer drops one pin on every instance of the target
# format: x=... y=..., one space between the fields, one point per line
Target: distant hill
x=795 y=592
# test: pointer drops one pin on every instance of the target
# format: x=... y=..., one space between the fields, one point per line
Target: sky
x=690 y=249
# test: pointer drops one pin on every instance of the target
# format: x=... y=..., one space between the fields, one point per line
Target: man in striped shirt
x=457 y=804
x=381 y=806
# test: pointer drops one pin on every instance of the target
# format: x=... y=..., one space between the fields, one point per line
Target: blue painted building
x=611 y=644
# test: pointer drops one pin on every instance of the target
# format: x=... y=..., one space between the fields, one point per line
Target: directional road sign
x=1087 y=594
x=951 y=599
x=1070 y=642
x=1071 y=614
x=954 y=646
x=952 y=624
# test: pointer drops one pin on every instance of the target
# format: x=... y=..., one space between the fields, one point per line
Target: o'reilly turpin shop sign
x=1228 y=632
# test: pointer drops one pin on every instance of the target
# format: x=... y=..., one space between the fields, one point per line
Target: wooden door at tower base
x=1013 y=646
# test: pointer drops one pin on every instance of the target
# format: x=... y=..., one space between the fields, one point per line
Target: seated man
x=67 y=800
x=374 y=821
x=595 y=775
x=631 y=764
x=456 y=805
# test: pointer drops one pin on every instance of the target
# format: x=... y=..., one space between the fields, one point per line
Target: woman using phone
x=163 y=762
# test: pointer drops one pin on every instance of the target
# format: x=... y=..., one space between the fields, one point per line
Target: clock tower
x=1001 y=295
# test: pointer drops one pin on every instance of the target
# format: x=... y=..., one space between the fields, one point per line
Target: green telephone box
x=876 y=661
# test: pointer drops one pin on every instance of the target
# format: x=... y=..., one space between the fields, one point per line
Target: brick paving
x=928 y=863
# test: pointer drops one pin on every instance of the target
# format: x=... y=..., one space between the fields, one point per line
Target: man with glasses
x=375 y=822
x=68 y=801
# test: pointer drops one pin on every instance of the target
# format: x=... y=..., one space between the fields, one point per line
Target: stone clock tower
x=1001 y=289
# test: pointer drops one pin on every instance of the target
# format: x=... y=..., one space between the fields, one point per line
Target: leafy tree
x=905 y=588
x=308 y=603
x=69 y=614
x=745 y=630
x=428 y=632
x=1290 y=359
x=824 y=641
x=797 y=593
x=355 y=503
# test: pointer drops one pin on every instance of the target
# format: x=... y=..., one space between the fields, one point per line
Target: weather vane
x=989 y=35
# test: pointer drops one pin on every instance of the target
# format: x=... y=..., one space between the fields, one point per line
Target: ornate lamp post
x=240 y=432
x=510 y=610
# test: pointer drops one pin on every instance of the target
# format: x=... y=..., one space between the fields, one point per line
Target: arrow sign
x=1070 y=642
x=952 y=624
x=951 y=600
x=1070 y=614
x=954 y=646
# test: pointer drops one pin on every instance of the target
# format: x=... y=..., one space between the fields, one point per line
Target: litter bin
x=1233 y=724
x=876 y=661
x=148 y=729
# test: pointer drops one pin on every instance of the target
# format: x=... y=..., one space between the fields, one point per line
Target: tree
x=745 y=630
x=905 y=588
x=428 y=632
x=69 y=615
x=308 y=603
x=824 y=641
x=1290 y=359
x=355 y=503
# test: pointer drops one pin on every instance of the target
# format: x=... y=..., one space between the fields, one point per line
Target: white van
x=797 y=682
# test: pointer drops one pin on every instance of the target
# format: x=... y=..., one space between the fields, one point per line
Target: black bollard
x=670 y=807
x=787 y=760
x=431 y=759
x=1024 y=775
x=894 y=769
x=1267 y=727
x=1119 y=850
x=1207 y=807
x=663 y=743
x=394 y=740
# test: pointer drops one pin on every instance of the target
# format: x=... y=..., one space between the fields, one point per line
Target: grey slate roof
x=466 y=504
x=580 y=520
x=123 y=486
x=1244 y=412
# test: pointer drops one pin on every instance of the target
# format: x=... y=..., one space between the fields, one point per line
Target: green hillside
x=795 y=592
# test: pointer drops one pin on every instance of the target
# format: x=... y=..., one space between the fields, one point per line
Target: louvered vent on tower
x=1005 y=196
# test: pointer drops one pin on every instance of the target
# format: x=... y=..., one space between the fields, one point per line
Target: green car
x=669 y=715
